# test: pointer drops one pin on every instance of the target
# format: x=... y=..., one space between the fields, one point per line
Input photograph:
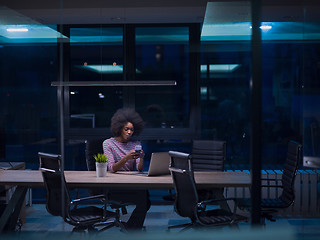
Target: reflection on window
x=162 y=53
x=92 y=107
x=28 y=117
x=240 y=31
x=96 y=54
x=225 y=94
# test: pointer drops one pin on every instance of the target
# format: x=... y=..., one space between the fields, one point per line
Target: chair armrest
x=78 y=201
x=75 y=202
x=101 y=197
x=206 y=202
x=202 y=205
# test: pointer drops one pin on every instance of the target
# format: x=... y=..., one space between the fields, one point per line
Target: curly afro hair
x=122 y=117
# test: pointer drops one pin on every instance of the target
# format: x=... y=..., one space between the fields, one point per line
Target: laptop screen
x=159 y=164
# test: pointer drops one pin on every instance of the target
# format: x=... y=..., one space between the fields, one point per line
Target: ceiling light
x=29 y=33
x=223 y=67
x=220 y=67
x=17 y=29
x=104 y=68
x=265 y=27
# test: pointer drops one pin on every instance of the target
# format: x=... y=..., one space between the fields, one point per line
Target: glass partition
x=211 y=99
x=290 y=80
x=310 y=84
x=28 y=65
x=96 y=54
x=162 y=53
x=225 y=71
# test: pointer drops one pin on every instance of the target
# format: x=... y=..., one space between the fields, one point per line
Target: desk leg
x=11 y=213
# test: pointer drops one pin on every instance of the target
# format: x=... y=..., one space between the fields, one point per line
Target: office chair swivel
x=187 y=203
x=270 y=206
x=75 y=212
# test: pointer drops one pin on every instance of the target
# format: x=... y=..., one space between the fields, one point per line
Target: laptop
x=159 y=165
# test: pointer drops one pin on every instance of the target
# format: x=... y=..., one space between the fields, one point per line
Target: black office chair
x=270 y=206
x=187 y=203
x=94 y=146
x=75 y=212
x=208 y=155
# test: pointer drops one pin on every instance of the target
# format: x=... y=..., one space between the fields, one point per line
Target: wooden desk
x=5 y=166
x=33 y=178
x=7 y=191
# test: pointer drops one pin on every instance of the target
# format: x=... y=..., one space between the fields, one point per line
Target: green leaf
x=100 y=157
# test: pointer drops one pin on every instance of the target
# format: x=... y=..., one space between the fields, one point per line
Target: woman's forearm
x=141 y=164
x=118 y=165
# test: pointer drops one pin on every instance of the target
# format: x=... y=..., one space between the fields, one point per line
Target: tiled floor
x=40 y=224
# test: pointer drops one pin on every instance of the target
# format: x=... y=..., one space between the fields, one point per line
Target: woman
x=120 y=149
x=122 y=156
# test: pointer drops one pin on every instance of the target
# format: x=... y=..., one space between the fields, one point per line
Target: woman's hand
x=141 y=154
x=141 y=162
x=132 y=155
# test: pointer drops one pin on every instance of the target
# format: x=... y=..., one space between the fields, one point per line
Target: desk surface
x=33 y=178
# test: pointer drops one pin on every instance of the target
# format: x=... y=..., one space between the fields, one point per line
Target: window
x=28 y=118
x=225 y=96
x=162 y=53
x=96 y=54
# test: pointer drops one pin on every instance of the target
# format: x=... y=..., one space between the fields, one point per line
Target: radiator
x=307 y=193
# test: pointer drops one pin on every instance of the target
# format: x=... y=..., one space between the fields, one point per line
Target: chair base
x=109 y=224
x=196 y=225
x=184 y=227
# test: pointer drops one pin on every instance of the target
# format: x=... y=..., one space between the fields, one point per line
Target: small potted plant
x=101 y=164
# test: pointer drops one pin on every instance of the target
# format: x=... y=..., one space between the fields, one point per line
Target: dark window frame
x=183 y=134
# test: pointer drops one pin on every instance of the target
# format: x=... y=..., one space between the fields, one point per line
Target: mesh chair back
x=57 y=194
x=208 y=155
x=183 y=179
x=290 y=171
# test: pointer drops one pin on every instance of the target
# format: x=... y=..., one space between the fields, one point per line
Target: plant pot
x=101 y=169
